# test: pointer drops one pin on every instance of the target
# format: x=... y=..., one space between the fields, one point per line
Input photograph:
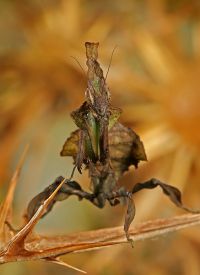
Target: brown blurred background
x=154 y=79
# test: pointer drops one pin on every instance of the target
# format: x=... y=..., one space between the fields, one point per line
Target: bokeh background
x=154 y=79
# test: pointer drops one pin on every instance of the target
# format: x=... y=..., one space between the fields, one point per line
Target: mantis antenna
x=110 y=61
x=79 y=64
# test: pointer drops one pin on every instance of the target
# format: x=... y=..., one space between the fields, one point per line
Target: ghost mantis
x=106 y=148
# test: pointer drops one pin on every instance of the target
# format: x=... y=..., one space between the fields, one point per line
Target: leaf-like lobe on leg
x=130 y=214
x=172 y=192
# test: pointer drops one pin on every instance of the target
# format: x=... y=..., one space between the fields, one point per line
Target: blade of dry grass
x=6 y=206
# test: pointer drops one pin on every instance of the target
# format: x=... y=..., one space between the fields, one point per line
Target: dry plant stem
x=52 y=247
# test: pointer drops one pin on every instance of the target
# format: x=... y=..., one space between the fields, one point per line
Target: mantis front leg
x=68 y=188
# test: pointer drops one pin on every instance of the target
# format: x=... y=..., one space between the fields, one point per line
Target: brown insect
x=105 y=147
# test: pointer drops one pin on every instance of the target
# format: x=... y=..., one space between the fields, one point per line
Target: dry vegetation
x=154 y=78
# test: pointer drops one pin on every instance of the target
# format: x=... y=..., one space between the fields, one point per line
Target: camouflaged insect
x=103 y=146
